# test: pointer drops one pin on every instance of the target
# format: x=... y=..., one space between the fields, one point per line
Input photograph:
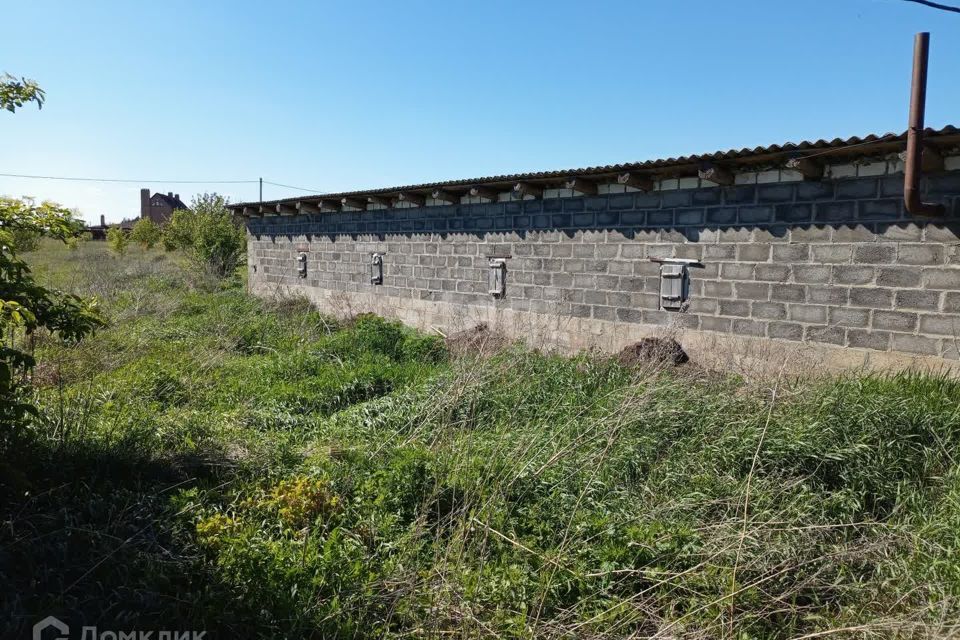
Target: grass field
x=257 y=469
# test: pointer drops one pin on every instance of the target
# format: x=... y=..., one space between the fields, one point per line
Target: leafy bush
x=208 y=234
x=146 y=233
x=26 y=306
x=178 y=232
x=373 y=333
x=118 y=240
x=424 y=348
x=74 y=241
x=25 y=240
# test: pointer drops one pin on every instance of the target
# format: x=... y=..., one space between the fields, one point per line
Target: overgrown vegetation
x=211 y=461
x=208 y=235
x=26 y=306
x=146 y=233
x=118 y=240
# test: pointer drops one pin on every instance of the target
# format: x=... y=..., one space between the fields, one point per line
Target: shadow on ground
x=94 y=538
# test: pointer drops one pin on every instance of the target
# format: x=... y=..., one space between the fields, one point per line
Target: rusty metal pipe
x=918 y=101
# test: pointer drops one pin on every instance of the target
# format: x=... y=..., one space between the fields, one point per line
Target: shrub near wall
x=208 y=234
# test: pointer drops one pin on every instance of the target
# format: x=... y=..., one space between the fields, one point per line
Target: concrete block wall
x=837 y=263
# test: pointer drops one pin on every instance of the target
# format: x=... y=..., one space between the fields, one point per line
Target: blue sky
x=360 y=94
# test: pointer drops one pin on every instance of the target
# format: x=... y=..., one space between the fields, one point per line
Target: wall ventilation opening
x=675 y=282
x=302 y=265
x=498 y=276
x=376 y=268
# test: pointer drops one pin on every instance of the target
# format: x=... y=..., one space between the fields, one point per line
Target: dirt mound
x=656 y=350
x=478 y=340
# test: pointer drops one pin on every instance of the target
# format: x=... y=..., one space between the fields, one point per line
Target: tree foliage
x=146 y=233
x=25 y=240
x=118 y=240
x=16 y=92
x=208 y=234
x=178 y=232
x=26 y=306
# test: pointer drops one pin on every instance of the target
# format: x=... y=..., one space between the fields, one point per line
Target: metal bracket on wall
x=498 y=275
x=376 y=268
x=675 y=282
x=302 y=264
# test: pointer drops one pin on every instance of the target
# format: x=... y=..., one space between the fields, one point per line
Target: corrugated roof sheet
x=853 y=147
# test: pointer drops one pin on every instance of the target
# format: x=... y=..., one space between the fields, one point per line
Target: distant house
x=98 y=231
x=159 y=207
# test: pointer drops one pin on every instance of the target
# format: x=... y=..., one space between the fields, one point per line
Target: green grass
x=212 y=461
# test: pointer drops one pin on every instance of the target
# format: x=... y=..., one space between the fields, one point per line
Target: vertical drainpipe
x=918 y=99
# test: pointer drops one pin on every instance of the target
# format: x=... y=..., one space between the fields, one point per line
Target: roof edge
x=815 y=153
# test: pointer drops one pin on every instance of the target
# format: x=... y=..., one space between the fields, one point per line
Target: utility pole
x=261 y=190
x=913 y=163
